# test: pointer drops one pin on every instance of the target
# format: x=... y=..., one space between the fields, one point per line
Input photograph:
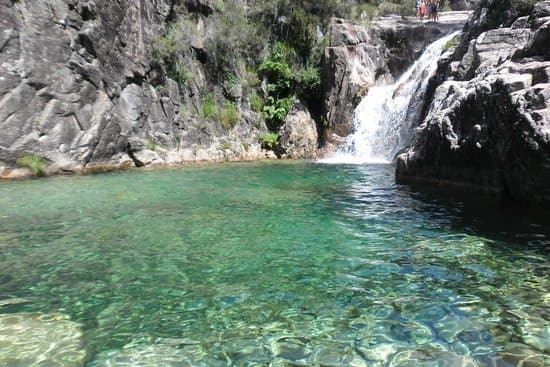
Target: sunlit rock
x=40 y=340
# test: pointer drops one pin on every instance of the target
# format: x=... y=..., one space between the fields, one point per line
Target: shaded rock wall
x=79 y=86
x=487 y=122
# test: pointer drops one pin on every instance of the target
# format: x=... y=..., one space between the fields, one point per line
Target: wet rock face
x=487 y=126
x=352 y=63
x=360 y=56
x=79 y=82
x=298 y=136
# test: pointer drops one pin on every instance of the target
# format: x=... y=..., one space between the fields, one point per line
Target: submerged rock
x=32 y=339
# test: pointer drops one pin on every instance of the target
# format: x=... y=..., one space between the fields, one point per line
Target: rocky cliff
x=487 y=124
x=80 y=87
x=362 y=55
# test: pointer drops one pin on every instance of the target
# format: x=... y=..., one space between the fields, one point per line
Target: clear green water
x=267 y=264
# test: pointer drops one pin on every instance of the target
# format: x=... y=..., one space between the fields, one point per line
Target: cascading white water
x=382 y=121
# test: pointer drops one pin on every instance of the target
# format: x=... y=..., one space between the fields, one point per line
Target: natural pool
x=267 y=264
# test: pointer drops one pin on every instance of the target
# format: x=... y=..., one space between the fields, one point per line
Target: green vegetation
x=269 y=140
x=181 y=74
x=174 y=51
x=308 y=81
x=451 y=44
x=276 y=110
x=36 y=164
x=404 y=7
x=229 y=115
x=278 y=71
x=209 y=107
x=231 y=45
x=284 y=82
x=257 y=103
x=151 y=145
x=231 y=35
x=159 y=88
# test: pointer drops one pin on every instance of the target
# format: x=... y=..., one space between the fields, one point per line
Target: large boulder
x=487 y=124
x=298 y=136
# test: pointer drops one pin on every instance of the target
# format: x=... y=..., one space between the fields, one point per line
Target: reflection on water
x=267 y=264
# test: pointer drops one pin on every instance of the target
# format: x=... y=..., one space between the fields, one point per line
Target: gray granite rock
x=79 y=83
x=298 y=136
x=487 y=122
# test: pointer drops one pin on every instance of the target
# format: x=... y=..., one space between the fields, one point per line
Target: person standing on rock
x=418 y=6
x=423 y=9
x=432 y=10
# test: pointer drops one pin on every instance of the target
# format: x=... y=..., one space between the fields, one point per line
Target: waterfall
x=382 y=121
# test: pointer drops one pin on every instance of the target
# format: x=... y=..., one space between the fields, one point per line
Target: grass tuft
x=36 y=164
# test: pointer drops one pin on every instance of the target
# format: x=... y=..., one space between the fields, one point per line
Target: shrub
x=159 y=88
x=257 y=103
x=269 y=140
x=231 y=79
x=209 y=108
x=309 y=80
x=229 y=115
x=277 y=71
x=36 y=164
x=276 y=110
x=405 y=7
x=180 y=73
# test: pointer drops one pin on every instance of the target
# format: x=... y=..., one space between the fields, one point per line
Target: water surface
x=267 y=264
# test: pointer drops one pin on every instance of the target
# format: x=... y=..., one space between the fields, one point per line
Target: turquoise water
x=267 y=264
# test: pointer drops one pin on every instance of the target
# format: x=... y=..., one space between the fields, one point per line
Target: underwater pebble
x=290 y=350
x=331 y=357
x=519 y=355
x=381 y=352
